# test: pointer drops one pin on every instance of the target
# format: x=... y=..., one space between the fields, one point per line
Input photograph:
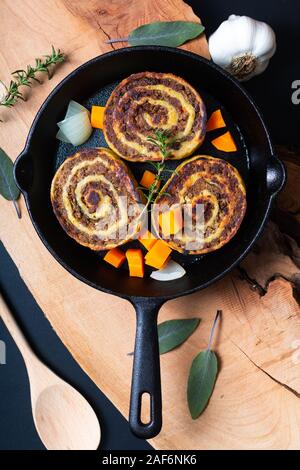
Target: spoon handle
x=16 y=332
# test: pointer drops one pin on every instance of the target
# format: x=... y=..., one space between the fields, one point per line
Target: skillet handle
x=146 y=370
x=276 y=175
x=23 y=171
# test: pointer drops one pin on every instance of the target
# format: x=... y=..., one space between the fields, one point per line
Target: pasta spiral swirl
x=216 y=187
x=90 y=194
x=147 y=102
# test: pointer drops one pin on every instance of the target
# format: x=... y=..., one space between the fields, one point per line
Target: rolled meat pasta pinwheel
x=212 y=198
x=96 y=200
x=148 y=102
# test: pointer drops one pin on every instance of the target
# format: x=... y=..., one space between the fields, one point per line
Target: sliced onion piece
x=171 y=271
x=74 y=108
x=61 y=136
x=77 y=128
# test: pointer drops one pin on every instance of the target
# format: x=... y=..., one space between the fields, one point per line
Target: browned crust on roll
x=214 y=183
x=86 y=190
x=130 y=117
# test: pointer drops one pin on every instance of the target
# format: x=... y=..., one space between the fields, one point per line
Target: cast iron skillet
x=262 y=170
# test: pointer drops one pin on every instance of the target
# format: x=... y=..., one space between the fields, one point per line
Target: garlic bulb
x=3 y=91
x=242 y=46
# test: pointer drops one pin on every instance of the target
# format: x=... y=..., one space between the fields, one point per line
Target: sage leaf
x=201 y=381
x=172 y=333
x=8 y=187
x=202 y=377
x=165 y=33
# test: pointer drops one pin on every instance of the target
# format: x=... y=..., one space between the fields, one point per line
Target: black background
x=272 y=92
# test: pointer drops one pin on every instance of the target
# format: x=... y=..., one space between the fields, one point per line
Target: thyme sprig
x=26 y=77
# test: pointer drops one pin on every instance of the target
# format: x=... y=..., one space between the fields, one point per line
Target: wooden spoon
x=63 y=418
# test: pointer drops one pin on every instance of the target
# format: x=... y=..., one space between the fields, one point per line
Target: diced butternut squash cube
x=148 y=179
x=215 y=121
x=115 y=257
x=171 y=221
x=147 y=239
x=135 y=262
x=225 y=143
x=97 y=116
x=158 y=255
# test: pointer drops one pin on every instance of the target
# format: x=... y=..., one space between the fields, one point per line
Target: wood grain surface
x=256 y=400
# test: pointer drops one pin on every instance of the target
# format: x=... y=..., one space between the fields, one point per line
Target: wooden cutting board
x=256 y=400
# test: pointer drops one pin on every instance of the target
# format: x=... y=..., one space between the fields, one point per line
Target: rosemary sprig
x=25 y=77
x=162 y=142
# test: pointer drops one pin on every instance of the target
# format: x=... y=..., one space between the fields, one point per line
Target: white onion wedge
x=74 y=108
x=171 y=271
x=61 y=136
x=76 y=127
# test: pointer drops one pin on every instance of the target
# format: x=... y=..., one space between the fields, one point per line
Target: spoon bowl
x=59 y=427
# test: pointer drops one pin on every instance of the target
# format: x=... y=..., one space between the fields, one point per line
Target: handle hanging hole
x=146 y=408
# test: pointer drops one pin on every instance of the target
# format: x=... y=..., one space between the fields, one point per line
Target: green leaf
x=201 y=381
x=172 y=333
x=165 y=33
x=202 y=377
x=8 y=187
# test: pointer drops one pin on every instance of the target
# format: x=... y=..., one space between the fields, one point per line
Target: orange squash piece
x=225 y=143
x=215 y=121
x=135 y=262
x=147 y=239
x=115 y=257
x=158 y=255
x=148 y=179
x=171 y=221
x=97 y=116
